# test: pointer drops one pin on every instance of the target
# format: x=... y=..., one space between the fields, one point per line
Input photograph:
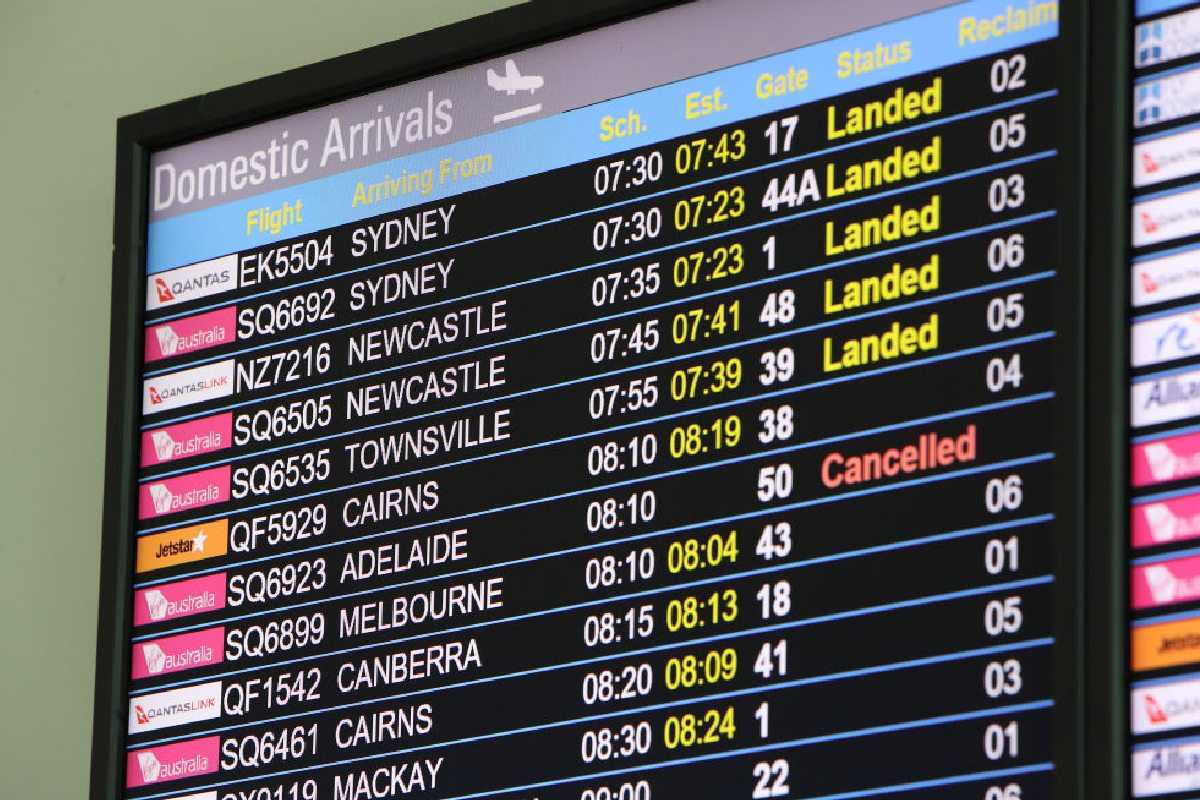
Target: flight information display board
x=1165 y=438
x=637 y=415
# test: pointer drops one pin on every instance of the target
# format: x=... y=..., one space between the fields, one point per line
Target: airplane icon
x=512 y=81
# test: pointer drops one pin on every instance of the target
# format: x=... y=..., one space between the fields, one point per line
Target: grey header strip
x=660 y=48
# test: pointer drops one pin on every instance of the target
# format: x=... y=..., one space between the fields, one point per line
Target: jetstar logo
x=182 y=546
x=192 y=282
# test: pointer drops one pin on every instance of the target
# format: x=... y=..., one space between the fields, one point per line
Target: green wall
x=67 y=71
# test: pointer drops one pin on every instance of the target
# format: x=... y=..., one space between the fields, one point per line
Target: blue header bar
x=924 y=42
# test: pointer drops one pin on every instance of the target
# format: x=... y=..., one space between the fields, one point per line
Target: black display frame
x=1091 y=738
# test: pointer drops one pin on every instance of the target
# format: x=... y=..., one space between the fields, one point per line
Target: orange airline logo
x=1165 y=644
x=182 y=545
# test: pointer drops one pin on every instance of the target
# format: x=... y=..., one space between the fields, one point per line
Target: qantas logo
x=192 y=282
x=165 y=295
x=1165 y=218
x=1166 y=706
x=1154 y=711
x=1169 y=277
x=1166 y=158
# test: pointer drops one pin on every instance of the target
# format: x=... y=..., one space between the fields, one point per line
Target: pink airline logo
x=172 y=762
x=174 y=653
x=1166 y=582
x=186 y=492
x=182 y=336
x=187 y=439
x=182 y=599
x=1162 y=460
x=1166 y=521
